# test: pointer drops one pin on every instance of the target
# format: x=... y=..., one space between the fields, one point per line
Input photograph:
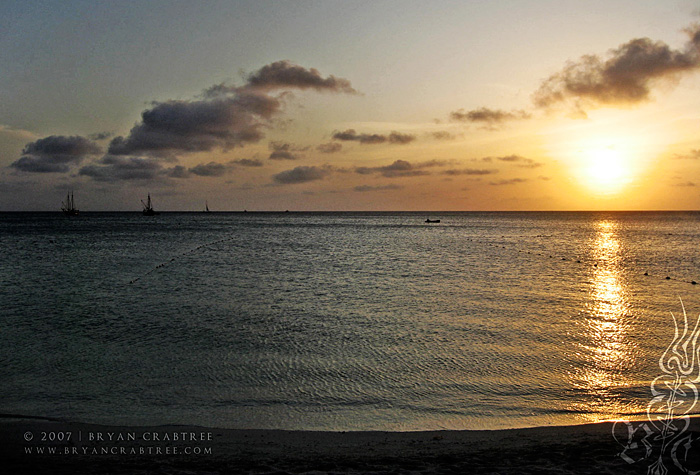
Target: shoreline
x=93 y=448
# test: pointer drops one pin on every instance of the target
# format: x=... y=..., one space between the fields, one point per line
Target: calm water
x=340 y=321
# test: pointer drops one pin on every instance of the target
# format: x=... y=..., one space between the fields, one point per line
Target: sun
x=606 y=169
x=606 y=166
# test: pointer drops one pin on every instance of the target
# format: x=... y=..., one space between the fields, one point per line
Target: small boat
x=148 y=207
x=432 y=220
x=68 y=206
x=206 y=207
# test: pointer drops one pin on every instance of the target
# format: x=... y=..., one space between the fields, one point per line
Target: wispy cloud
x=443 y=135
x=692 y=155
x=285 y=151
x=512 y=181
x=521 y=162
x=210 y=169
x=112 y=168
x=487 y=116
x=302 y=174
x=366 y=188
x=393 y=138
x=115 y=168
x=469 y=171
x=329 y=147
x=401 y=168
x=248 y=162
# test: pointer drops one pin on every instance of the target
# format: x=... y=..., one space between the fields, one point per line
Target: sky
x=363 y=105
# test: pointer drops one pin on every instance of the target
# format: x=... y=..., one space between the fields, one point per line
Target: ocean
x=341 y=321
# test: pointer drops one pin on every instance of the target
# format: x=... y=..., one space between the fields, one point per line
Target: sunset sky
x=350 y=105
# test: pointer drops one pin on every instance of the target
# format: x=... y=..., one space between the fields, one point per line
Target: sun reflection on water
x=605 y=351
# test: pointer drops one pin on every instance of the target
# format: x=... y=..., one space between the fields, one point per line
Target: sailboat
x=68 y=206
x=148 y=207
x=206 y=207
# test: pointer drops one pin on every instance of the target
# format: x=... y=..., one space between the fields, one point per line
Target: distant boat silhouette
x=68 y=207
x=432 y=220
x=148 y=207
x=206 y=207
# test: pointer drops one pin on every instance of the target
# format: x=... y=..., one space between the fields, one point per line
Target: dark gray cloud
x=286 y=75
x=248 y=162
x=285 y=151
x=511 y=181
x=55 y=154
x=198 y=126
x=210 y=169
x=490 y=117
x=370 y=139
x=301 y=175
x=521 y=162
x=224 y=117
x=101 y=135
x=401 y=168
x=178 y=171
x=625 y=77
x=330 y=147
x=111 y=168
x=283 y=75
x=469 y=171
x=366 y=188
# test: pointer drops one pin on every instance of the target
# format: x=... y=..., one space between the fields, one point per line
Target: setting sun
x=607 y=169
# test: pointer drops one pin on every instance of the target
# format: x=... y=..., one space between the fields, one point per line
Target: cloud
x=522 y=162
x=111 y=168
x=624 y=78
x=687 y=184
x=198 y=126
x=511 y=181
x=55 y=154
x=490 y=117
x=394 y=137
x=283 y=151
x=286 y=75
x=301 y=175
x=330 y=147
x=210 y=169
x=692 y=155
x=401 y=168
x=469 y=171
x=224 y=116
x=248 y=162
x=443 y=135
x=101 y=135
x=399 y=138
x=365 y=188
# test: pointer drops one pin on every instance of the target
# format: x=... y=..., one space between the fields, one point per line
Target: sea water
x=340 y=321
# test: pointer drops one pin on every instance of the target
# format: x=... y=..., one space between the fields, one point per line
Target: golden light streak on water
x=605 y=349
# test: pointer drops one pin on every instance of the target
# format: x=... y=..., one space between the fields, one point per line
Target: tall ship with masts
x=68 y=206
x=148 y=207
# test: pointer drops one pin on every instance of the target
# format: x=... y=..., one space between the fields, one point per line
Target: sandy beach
x=583 y=449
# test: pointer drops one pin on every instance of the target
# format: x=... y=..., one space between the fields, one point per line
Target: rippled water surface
x=340 y=321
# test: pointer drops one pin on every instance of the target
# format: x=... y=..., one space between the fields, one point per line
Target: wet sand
x=93 y=449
